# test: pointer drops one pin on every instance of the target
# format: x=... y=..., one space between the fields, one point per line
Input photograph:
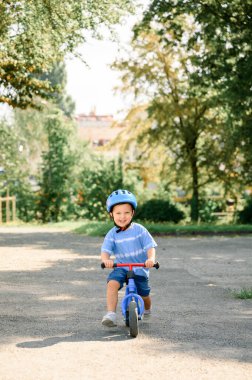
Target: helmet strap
x=122 y=228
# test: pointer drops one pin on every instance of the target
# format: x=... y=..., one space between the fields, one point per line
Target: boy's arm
x=151 y=253
x=105 y=258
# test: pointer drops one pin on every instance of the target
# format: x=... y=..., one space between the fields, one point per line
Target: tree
x=34 y=140
x=57 y=184
x=14 y=171
x=183 y=118
x=222 y=58
x=11 y=159
x=58 y=79
x=96 y=183
x=35 y=145
x=225 y=28
x=36 y=34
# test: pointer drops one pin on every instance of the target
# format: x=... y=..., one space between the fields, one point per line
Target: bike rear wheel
x=133 y=319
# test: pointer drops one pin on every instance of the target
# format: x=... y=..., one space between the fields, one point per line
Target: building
x=98 y=129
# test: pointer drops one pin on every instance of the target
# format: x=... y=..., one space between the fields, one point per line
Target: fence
x=7 y=209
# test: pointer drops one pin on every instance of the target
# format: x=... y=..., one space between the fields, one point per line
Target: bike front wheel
x=133 y=319
x=127 y=318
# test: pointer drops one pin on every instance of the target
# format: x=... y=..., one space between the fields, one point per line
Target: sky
x=92 y=87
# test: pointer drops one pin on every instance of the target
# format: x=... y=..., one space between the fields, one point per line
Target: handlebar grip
x=103 y=265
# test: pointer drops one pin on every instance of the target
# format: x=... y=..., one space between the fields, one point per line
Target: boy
x=128 y=242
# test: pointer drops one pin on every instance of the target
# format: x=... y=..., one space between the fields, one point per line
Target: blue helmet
x=121 y=196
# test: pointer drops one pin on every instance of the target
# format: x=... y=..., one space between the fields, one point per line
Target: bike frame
x=131 y=290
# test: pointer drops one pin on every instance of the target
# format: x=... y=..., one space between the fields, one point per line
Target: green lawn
x=101 y=228
x=96 y=228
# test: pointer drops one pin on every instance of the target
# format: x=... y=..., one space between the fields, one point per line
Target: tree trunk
x=195 y=193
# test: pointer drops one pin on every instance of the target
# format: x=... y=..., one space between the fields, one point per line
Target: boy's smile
x=122 y=214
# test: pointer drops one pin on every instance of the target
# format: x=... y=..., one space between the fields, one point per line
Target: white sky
x=92 y=87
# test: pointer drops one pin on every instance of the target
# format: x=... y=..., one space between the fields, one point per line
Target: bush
x=207 y=208
x=25 y=202
x=159 y=210
x=245 y=215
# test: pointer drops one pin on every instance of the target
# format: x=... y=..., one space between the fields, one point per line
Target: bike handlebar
x=115 y=265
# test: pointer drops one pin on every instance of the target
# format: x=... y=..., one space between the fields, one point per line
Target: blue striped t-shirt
x=129 y=246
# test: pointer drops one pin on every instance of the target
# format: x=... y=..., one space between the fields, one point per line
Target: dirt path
x=52 y=299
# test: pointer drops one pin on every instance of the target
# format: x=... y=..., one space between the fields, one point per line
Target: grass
x=93 y=228
x=243 y=294
x=97 y=228
x=66 y=225
x=197 y=229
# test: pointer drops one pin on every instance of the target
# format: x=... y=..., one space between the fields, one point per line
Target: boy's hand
x=149 y=263
x=108 y=263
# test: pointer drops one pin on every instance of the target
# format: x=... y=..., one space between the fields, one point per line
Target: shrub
x=25 y=202
x=245 y=215
x=207 y=208
x=159 y=210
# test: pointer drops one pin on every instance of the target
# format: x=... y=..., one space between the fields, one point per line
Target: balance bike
x=132 y=304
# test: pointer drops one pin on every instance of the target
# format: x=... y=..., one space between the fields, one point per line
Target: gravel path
x=52 y=300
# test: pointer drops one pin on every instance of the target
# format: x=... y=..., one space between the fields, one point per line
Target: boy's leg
x=143 y=289
x=114 y=283
x=112 y=295
x=147 y=302
x=109 y=319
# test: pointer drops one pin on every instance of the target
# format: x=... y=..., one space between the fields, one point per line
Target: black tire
x=133 y=319
x=127 y=318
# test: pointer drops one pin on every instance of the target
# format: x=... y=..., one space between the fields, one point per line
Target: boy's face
x=122 y=214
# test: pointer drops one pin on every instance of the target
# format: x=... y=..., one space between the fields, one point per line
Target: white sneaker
x=147 y=313
x=109 y=319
